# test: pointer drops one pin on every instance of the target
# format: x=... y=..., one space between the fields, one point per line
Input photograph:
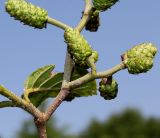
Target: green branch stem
x=66 y=84
x=92 y=65
x=19 y=102
x=68 y=62
x=76 y=83
x=57 y=23
x=86 y=15
x=11 y=96
x=64 y=92
x=111 y=71
x=89 y=77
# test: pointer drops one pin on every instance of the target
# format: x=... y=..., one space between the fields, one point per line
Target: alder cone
x=27 y=13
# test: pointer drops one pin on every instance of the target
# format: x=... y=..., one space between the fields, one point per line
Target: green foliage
x=36 y=79
x=128 y=124
x=139 y=59
x=152 y=128
x=27 y=13
x=103 y=5
x=28 y=130
x=43 y=84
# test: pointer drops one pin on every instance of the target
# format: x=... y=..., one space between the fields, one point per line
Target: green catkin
x=27 y=13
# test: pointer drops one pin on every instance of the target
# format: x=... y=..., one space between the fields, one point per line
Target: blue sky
x=24 y=49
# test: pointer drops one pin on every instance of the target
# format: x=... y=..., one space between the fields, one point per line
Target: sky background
x=24 y=49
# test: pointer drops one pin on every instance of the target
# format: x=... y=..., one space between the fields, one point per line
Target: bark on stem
x=64 y=91
x=59 y=99
x=86 y=15
x=89 y=77
x=19 y=102
x=41 y=127
x=68 y=67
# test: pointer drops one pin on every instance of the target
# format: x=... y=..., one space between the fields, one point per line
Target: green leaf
x=4 y=104
x=49 y=86
x=37 y=77
x=86 y=89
